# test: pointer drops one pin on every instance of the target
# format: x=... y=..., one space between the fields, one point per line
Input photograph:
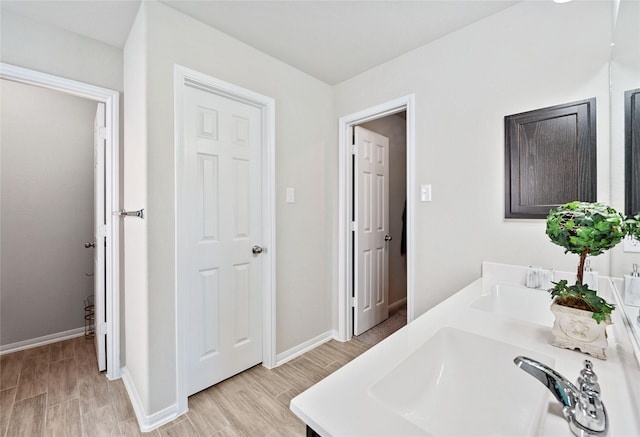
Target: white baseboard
x=41 y=341
x=296 y=351
x=146 y=422
x=399 y=303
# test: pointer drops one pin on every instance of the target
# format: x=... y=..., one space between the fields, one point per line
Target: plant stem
x=583 y=257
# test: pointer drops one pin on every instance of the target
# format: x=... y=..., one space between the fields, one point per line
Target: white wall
x=394 y=128
x=45 y=48
x=305 y=130
x=529 y=56
x=47 y=211
x=135 y=269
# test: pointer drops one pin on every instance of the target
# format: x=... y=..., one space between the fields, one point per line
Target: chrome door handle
x=387 y=238
x=124 y=213
x=256 y=250
x=88 y=245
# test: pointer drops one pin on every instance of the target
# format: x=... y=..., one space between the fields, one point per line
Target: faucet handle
x=582 y=406
x=589 y=414
x=588 y=380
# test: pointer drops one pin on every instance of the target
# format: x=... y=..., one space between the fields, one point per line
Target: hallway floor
x=397 y=319
x=56 y=390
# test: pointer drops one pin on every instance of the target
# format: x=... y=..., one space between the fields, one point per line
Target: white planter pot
x=576 y=329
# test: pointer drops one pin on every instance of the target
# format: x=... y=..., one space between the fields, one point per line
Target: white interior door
x=371 y=267
x=100 y=226
x=222 y=223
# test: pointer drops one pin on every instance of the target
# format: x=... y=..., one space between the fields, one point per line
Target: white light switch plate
x=425 y=193
x=291 y=195
x=631 y=244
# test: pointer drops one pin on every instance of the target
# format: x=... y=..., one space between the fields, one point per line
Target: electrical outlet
x=631 y=244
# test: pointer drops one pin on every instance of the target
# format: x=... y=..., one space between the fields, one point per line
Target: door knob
x=256 y=250
x=387 y=238
x=88 y=245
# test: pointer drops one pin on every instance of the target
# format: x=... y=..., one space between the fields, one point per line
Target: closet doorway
x=379 y=238
x=107 y=322
x=375 y=251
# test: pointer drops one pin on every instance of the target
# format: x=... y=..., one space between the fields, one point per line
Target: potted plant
x=585 y=229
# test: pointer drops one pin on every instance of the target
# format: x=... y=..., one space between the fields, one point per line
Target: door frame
x=187 y=77
x=110 y=98
x=345 y=205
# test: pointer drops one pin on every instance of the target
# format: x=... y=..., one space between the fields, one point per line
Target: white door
x=371 y=268
x=100 y=226
x=223 y=220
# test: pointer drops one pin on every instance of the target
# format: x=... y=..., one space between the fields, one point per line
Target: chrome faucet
x=581 y=405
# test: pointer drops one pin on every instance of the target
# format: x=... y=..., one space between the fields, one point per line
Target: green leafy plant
x=632 y=226
x=585 y=229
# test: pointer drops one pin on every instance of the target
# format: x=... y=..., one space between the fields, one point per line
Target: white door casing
x=99 y=238
x=225 y=208
x=371 y=190
x=346 y=250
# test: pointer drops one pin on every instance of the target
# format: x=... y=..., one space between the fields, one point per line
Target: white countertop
x=632 y=312
x=340 y=405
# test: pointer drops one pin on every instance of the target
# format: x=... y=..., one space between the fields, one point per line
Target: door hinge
x=102 y=133
x=354 y=226
x=354 y=149
x=102 y=231
x=354 y=301
x=103 y=329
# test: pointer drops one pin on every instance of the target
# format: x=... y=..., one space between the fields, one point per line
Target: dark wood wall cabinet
x=550 y=158
x=632 y=151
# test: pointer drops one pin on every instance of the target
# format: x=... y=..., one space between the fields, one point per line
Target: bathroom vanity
x=451 y=371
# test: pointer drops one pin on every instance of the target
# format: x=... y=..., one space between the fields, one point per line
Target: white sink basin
x=449 y=387
x=528 y=304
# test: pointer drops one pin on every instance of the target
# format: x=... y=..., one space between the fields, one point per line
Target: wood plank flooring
x=56 y=390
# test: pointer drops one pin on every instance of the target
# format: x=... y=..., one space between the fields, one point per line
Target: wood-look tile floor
x=56 y=390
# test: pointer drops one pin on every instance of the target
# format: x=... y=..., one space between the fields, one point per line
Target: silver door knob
x=256 y=250
x=88 y=245
x=387 y=238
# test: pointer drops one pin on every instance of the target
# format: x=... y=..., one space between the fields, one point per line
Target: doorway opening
x=383 y=281
x=348 y=259
x=108 y=325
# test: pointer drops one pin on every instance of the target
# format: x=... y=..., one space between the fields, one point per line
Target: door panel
x=223 y=220
x=371 y=269
x=210 y=296
x=100 y=225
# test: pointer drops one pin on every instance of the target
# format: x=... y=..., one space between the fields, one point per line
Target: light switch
x=425 y=193
x=291 y=195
